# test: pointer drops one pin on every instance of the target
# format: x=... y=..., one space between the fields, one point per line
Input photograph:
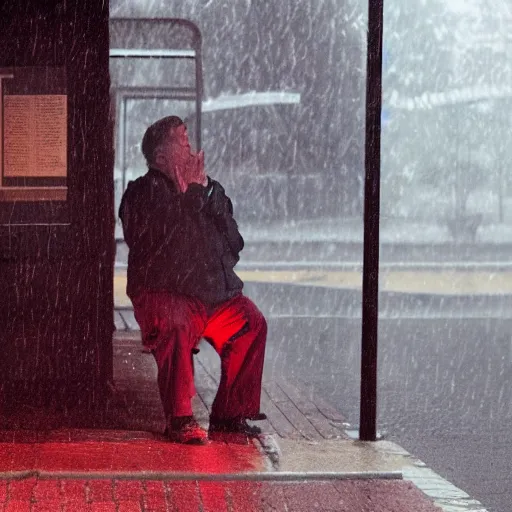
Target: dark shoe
x=261 y=416
x=232 y=426
x=186 y=430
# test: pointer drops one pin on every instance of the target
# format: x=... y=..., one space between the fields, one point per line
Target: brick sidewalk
x=112 y=495
x=129 y=466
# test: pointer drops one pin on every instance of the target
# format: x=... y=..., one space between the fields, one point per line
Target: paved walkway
x=304 y=461
x=114 y=495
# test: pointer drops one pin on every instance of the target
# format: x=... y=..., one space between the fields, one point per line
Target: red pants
x=173 y=325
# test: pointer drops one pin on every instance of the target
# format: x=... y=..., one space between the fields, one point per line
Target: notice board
x=34 y=127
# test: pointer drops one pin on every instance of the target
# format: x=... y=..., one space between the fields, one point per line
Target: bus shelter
x=179 y=41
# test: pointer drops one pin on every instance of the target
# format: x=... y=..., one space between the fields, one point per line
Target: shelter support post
x=368 y=399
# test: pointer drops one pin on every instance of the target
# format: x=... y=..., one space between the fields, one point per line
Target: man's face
x=179 y=145
x=176 y=151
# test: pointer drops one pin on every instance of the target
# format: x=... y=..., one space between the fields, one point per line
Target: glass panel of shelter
x=174 y=64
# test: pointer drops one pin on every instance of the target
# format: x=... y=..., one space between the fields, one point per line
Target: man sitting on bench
x=183 y=245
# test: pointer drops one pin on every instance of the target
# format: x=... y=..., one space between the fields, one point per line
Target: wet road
x=445 y=375
x=282 y=252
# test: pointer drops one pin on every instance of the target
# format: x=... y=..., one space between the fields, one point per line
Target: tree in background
x=437 y=47
x=419 y=38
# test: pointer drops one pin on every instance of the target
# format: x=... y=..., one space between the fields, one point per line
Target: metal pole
x=199 y=94
x=370 y=313
x=501 y=185
x=500 y=192
x=124 y=138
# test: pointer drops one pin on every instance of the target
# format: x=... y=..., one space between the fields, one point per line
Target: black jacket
x=182 y=243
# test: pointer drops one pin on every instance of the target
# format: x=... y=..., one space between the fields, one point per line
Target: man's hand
x=192 y=172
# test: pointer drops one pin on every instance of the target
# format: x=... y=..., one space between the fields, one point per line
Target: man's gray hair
x=155 y=136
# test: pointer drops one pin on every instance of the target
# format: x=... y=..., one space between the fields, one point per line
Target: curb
x=171 y=476
x=442 y=492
